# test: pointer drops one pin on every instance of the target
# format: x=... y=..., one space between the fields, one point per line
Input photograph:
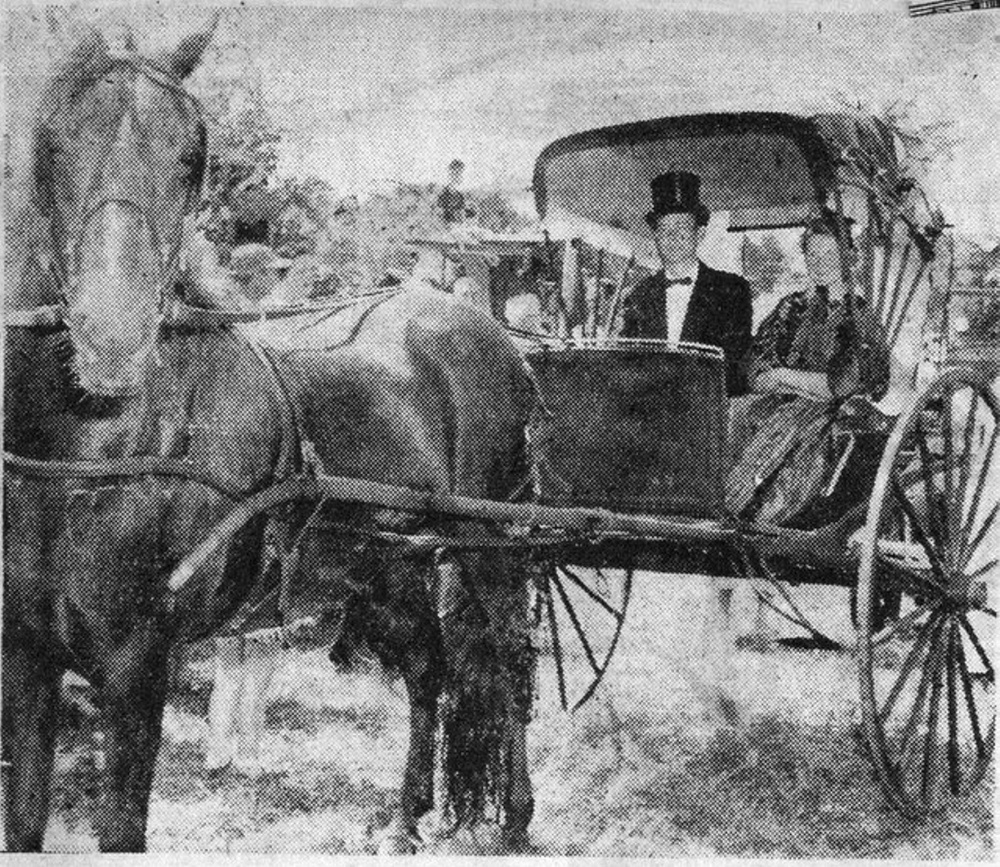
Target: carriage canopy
x=767 y=170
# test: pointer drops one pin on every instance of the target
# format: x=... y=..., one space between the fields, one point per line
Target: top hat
x=677 y=193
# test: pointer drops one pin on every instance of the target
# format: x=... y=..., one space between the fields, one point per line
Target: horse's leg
x=520 y=801
x=498 y=586
x=409 y=640
x=135 y=691
x=417 y=795
x=30 y=703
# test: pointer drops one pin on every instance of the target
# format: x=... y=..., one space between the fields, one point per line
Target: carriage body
x=760 y=172
x=637 y=426
x=629 y=467
x=910 y=500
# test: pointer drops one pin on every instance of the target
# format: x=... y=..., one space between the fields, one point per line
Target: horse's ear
x=90 y=50
x=183 y=59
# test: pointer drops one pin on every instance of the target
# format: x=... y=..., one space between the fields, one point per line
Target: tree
x=243 y=155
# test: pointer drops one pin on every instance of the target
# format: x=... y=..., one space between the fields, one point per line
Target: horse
x=129 y=433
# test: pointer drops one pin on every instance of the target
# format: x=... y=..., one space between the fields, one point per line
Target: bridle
x=54 y=316
x=58 y=260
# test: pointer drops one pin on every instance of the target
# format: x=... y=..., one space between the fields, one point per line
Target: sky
x=395 y=90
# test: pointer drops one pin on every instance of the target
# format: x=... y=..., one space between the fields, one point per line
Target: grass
x=691 y=749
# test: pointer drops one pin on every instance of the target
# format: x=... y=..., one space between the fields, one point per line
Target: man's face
x=823 y=261
x=677 y=237
x=455 y=175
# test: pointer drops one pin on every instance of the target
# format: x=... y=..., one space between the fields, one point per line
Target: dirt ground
x=691 y=748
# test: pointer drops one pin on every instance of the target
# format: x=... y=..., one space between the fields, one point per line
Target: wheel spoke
x=982 y=570
x=970 y=521
x=600 y=600
x=916 y=582
x=580 y=634
x=910 y=618
x=970 y=700
x=954 y=771
x=912 y=658
x=968 y=551
x=556 y=649
x=929 y=672
x=965 y=469
x=975 y=643
x=946 y=519
x=930 y=741
x=930 y=490
x=596 y=682
x=918 y=529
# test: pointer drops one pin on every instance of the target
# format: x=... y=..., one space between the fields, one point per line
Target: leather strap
x=47 y=316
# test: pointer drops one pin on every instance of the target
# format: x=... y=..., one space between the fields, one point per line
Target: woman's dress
x=786 y=447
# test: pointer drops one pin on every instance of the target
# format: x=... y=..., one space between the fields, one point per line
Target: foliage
x=362 y=240
x=984 y=319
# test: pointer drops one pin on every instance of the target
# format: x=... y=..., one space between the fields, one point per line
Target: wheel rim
x=585 y=611
x=932 y=535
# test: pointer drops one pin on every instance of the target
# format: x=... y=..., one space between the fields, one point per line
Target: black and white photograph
x=535 y=429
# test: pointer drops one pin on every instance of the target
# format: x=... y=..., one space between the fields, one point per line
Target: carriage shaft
x=648 y=541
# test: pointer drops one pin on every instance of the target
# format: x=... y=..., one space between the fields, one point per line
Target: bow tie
x=681 y=281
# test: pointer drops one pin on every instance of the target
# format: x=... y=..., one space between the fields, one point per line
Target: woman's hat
x=824 y=222
x=677 y=193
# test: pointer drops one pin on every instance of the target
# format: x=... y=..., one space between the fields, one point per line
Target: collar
x=690 y=272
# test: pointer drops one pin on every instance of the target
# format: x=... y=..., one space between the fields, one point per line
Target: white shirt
x=677 y=299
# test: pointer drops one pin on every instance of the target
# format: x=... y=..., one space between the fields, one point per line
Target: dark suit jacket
x=720 y=313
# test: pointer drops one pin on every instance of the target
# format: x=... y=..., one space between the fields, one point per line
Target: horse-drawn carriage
x=639 y=427
x=632 y=469
x=398 y=429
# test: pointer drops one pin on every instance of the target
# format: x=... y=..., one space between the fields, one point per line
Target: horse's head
x=119 y=161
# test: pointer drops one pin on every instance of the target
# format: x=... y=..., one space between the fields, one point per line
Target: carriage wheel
x=584 y=610
x=927 y=676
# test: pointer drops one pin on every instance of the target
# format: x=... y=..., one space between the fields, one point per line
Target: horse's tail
x=489 y=680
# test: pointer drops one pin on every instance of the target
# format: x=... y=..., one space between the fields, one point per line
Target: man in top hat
x=686 y=300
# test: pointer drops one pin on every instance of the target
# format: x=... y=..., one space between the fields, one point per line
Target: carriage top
x=768 y=170
x=765 y=171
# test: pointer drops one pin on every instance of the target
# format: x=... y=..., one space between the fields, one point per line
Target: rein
x=177 y=313
x=173 y=312
x=191 y=318
x=135 y=467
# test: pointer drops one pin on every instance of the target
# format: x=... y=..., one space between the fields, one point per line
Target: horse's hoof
x=515 y=840
x=399 y=843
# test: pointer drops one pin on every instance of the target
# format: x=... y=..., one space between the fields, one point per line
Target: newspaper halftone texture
x=501 y=429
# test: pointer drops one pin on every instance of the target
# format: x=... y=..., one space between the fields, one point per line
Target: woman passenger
x=808 y=357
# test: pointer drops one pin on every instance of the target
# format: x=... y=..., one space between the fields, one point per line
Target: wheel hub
x=967 y=593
